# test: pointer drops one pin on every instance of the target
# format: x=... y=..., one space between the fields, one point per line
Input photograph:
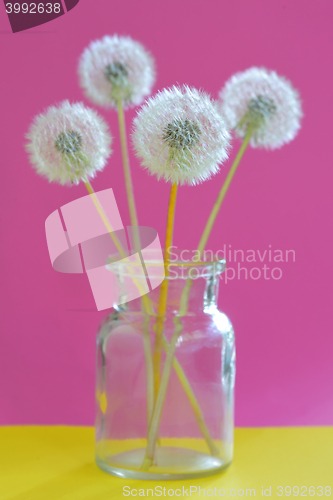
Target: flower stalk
x=126 y=164
x=157 y=413
x=149 y=367
x=162 y=304
x=104 y=218
x=193 y=400
x=216 y=208
x=147 y=306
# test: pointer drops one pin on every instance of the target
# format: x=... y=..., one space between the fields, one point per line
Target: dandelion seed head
x=265 y=101
x=68 y=143
x=116 y=68
x=117 y=74
x=180 y=136
x=262 y=107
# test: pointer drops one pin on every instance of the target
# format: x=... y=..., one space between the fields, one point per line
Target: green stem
x=126 y=164
x=147 y=305
x=222 y=193
x=149 y=367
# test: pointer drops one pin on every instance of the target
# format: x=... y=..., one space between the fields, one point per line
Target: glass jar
x=194 y=423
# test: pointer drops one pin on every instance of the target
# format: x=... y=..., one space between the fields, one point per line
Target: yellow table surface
x=58 y=463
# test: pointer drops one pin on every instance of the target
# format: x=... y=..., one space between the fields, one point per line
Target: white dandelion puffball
x=180 y=136
x=116 y=68
x=69 y=143
x=264 y=101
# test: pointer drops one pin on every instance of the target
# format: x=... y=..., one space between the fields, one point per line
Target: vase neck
x=203 y=294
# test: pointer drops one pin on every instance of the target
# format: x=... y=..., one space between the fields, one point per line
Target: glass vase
x=194 y=431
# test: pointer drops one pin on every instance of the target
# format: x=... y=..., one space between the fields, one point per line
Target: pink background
x=281 y=198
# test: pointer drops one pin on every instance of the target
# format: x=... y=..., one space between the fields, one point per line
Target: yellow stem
x=164 y=289
x=193 y=400
x=145 y=299
x=105 y=219
x=170 y=349
x=147 y=307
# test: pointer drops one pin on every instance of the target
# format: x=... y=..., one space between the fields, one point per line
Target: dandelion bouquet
x=166 y=361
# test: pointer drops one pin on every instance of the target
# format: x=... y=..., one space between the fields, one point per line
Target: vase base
x=172 y=463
